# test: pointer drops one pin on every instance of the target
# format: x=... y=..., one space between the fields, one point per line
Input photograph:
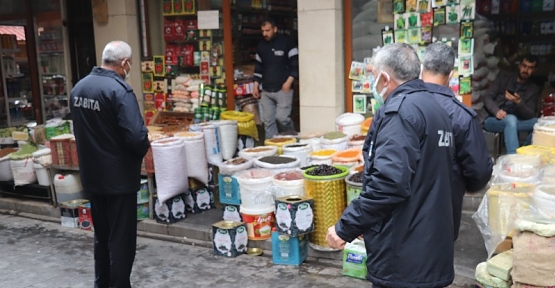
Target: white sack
x=171 y=167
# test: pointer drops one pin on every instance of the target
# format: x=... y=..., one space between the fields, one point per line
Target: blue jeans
x=510 y=126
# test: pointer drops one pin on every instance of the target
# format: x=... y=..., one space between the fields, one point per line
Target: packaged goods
x=500 y=265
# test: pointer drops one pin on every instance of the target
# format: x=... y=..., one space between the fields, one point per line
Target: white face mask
x=127 y=74
x=378 y=96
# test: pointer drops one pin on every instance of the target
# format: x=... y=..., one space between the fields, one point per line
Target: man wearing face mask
x=403 y=211
x=472 y=165
x=111 y=142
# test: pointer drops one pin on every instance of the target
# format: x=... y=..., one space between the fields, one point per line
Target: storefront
x=211 y=41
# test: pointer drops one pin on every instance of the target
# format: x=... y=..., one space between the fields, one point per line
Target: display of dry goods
x=277 y=160
x=280 y=140
x=174 y=120
x=236 y=161
x=256 y=150
x=7 y=151
x=289 y=176
x=296 y=145
x=358 y=137
x=324 y=170
x=334 y=135
x=357 y=177
x=308 y=167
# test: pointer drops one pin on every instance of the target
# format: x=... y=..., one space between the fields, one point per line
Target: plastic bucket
x=349 y=123
x=289 y=184
x=353 y=189
x=330 y=201
x=42 y=174
x=299 y=150
x=259 y=222
x=254 y=187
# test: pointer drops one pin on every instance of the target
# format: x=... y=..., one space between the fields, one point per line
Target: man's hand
x=500 y=114
x=515 y=98
x=255 y=91
x=286 y=87
x=333 y=240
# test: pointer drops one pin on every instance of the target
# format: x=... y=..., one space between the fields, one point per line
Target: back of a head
x=114 y=52
x=438 y=59
x=399 y=60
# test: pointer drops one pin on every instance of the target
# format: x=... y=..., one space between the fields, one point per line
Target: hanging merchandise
x=212 y=143
x=228 y=133
x=171 y=175
x=197 y=166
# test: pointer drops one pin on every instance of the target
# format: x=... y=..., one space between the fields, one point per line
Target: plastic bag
x=245 y=122
x=171 y=167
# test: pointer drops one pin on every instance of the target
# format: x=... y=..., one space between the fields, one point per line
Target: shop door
x=16 y=101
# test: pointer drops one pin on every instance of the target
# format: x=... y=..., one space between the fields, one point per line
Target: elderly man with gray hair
x=111 y=143
x=472 y=165
x=403 y=211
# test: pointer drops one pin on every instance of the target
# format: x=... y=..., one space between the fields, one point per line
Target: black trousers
x=115 y=238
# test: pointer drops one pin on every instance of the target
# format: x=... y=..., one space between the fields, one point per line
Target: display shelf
x=10 y=51
x=53 y=74
x=19 y=75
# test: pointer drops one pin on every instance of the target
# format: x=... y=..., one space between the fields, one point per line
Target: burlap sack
x=533 y=259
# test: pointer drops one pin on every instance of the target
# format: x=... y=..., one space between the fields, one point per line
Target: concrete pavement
x=37 y=254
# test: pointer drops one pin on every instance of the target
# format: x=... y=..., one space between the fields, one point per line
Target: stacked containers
x=328 y=193
x=230 y=196
x=294 y=219
x=257 y=202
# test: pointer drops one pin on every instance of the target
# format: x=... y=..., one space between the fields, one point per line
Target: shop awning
x=18 y=31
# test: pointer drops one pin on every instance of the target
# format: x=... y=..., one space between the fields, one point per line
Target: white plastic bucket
x=284 y=187
x=255 y=188
x=42 y=174
x=299 y=150
x=349 y=123
x=544 y=200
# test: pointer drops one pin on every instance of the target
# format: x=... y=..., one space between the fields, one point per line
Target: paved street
x=44 y=254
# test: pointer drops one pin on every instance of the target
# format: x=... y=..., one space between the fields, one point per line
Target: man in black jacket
x=111 y=142
x=276 y=67
x=472 y=164
x=404 y=211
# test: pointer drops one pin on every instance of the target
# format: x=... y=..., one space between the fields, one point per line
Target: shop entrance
x=16 y=101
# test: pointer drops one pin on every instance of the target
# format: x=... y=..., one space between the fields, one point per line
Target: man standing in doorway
x=276 y=67
x=512 y=102
x=111 y=141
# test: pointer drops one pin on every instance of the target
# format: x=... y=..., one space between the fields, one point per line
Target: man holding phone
x=511 y=102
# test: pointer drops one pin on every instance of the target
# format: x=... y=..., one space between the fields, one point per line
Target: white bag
x=23 y=171
x=338 y=144
x=171 y=167
x=277 y=168
x=197 y=166
x=299 y=150
x=212 y=142
x=228 y=133
x=5 y=169
x=257 y=152
x=284 y=188
x=229 y=169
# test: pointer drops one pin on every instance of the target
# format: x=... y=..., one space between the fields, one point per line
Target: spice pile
x=236 y=161
x=277 y=160
x=7 y=151
x=324 y=170
x=357 y=177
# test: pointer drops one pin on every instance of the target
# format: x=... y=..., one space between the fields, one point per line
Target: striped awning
x=18 y=31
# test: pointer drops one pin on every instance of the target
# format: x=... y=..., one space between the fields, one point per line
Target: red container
x=85 y=217
x=549 y=105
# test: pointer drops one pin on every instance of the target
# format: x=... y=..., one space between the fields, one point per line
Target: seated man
x=511 y=102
